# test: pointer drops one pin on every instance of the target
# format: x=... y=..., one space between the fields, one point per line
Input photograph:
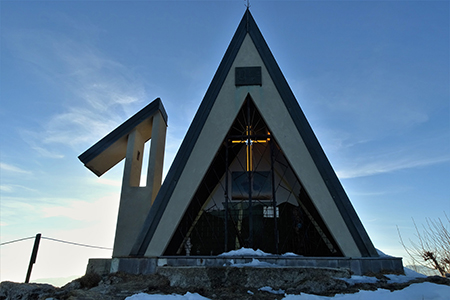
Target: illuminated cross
x=249 y=146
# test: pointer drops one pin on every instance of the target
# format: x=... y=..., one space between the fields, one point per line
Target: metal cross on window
x=249 y=145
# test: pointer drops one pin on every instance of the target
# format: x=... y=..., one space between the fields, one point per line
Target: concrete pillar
x=133 y=160
x=156 y=158
x=135 y=201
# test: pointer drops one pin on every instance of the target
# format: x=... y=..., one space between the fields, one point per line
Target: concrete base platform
x=153 y=265
x=278 y=278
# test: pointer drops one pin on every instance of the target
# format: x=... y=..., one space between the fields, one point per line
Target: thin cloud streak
x=9 y=188
x=78 y=126
x=99 y=89
x=17 y=210
x=97 y=113
x=45 y=152
x=81 y=210
x=376 y=167
x=110 y=182
x=6 y=188
x=13 y=169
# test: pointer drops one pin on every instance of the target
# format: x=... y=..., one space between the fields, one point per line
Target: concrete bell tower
x=127 y=142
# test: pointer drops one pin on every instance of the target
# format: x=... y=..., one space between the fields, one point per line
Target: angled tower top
x=127 y=142
x=250 y=171
x=111 y=149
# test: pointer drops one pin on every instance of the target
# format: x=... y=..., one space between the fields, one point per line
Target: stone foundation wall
x=154 y=265
x=248 y=277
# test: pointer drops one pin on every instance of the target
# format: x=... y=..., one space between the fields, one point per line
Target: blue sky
x=372 y=77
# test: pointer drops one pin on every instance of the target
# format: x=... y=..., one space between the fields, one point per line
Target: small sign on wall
x=248 y=76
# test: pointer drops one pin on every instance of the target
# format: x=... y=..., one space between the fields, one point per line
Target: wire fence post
x=33 y=256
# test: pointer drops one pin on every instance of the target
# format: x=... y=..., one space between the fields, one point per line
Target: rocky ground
x=119 y=286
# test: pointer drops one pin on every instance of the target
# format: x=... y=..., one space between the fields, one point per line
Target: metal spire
x=248 y=8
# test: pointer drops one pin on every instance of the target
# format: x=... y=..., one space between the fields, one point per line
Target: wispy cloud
x=110 y=182
x=46 y=152
x=13 y=169
x=9 y=188
x=16 y=210
x=77 y=126
x=379 y=100
x=83 y=210
x=6 y=188
x=97 y=90
x=381 y=165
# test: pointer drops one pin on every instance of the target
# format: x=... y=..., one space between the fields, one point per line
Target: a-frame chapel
x=250 y=172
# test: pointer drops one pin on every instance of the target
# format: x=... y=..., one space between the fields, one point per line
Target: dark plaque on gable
x=248 y=76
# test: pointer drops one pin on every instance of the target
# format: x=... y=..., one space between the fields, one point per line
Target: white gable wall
x=219 y=121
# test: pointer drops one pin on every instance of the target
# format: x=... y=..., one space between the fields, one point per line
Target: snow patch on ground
x=251 y=252
x=187 y=296
x=414 y=274
x=254 y=263
x=271 y=290
x=418 y=291
x=382 y=254
x=355 y=279
x=409 y=275
x=291 y=254
x=245 y=252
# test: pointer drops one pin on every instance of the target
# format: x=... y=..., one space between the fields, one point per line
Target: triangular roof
x=281 y=111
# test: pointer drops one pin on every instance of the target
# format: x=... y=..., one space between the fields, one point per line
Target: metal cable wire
x=76 y=244
x=56 y=240
x=19 y=240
